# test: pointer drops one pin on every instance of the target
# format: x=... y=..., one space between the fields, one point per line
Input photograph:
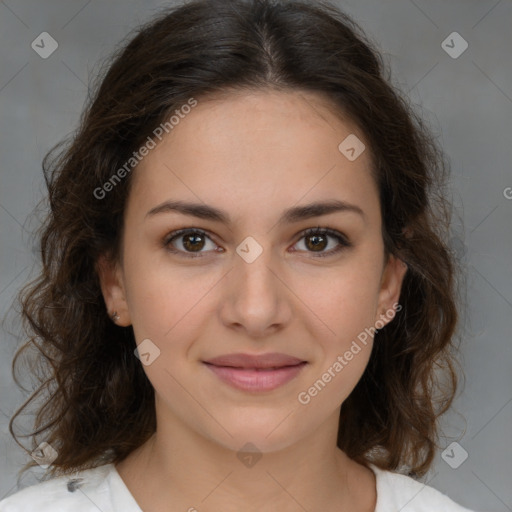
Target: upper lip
x=269 y=360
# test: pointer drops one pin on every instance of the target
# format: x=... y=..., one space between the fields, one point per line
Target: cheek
x=326 y=391
x=343 y=301
x=344 y=308
x=148 y=300
x=164 y=300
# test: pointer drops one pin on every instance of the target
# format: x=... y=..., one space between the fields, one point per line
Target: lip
x=256 y=373
x=269 y=360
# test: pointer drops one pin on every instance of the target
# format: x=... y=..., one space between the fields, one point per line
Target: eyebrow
x=291 y=215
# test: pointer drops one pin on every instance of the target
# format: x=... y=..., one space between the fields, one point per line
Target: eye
x=189 y=241
x=317 y=239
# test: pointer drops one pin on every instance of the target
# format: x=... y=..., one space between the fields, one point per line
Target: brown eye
x=193 y=242
x=317 y=240
x=187 y=242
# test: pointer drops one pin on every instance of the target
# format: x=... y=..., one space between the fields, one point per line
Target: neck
x=178 y=466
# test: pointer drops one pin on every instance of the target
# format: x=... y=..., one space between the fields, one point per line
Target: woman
x=245 y=299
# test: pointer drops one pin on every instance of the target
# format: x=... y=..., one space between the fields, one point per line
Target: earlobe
x=391 y=286
x=112 y=288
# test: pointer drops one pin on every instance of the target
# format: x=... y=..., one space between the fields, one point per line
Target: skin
x=253 y=155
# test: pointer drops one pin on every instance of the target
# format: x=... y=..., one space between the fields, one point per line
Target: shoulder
x=400 y=492
x=83 y=491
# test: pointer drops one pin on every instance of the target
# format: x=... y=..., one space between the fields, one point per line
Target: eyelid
x=342 y=239
x=181 y=232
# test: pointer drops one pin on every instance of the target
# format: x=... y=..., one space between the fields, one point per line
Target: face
x=245 y=276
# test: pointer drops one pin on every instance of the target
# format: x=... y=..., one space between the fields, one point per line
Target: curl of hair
x=98 y=404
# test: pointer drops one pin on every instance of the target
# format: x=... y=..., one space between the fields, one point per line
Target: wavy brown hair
x=94 y=402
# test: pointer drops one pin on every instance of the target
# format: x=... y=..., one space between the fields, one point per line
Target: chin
x=257 y=442
x=267 y=432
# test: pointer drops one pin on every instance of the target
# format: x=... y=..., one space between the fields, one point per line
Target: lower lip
x=256 y=380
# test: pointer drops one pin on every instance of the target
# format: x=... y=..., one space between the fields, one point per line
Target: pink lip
x=256 y=373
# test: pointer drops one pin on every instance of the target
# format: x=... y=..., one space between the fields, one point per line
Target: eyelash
x=341 y=239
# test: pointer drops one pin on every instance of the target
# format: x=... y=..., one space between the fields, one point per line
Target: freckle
x=74 y=484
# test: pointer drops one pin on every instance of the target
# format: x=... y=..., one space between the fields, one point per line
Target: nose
x=256 y=299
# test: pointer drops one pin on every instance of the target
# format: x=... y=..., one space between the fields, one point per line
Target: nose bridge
x=256 y=298
x=254 y=272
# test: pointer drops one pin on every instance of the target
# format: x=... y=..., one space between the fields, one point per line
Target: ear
x=113 y=290
x=390 y=287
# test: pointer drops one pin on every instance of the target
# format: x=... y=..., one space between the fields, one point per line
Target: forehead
x=258 y=148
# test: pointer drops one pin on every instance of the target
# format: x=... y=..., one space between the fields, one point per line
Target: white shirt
x=102 y=489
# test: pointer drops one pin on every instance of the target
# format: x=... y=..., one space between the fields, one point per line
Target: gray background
x=468 y=102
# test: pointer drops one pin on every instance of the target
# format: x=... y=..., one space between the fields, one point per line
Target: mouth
x=256 y=373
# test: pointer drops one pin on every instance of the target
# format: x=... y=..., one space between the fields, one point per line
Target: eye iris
x=317 y=246
x=194 y=242
x=195 y=237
